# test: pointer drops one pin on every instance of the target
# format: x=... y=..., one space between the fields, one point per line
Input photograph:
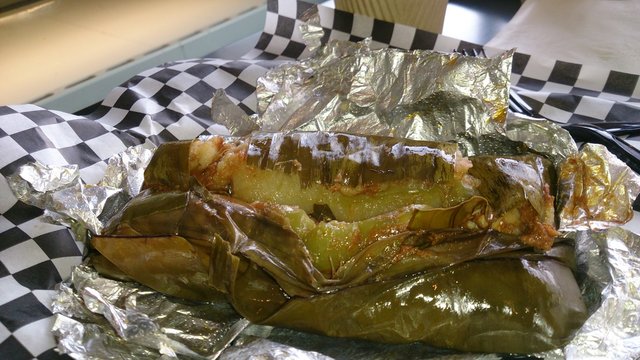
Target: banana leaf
x=413 y=239
x=521 y=190
x=352 y=178
x=495 y=305
x=355 y=177
x=430 y=279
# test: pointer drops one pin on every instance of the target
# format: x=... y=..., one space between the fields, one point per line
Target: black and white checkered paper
x=172 y=101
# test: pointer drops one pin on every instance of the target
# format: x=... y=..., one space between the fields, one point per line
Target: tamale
x=409 y=239
x=474 y=291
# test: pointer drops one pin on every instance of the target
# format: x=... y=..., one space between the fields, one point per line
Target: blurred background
x=68 y=54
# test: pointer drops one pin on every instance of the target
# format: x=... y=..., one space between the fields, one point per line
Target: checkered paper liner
x=172 y=102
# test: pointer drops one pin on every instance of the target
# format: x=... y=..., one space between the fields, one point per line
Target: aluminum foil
x=609 y=266
x=229 y=115
x=268 y=350
x=103 y=318
x=311 y=30
x=418 y=94
x=62 y=194
x=67 y=200
x=125 y=171
x=597 y=190
x=541 y=136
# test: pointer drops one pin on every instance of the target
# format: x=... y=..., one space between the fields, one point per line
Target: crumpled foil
x=126 y=170
x=609 y=271
x=541 y=136
x=264 y=349
x=311 y=29
x=598 y=190
x=103 y=318
x=229 y=115
x=67 y=200
x=418 y=94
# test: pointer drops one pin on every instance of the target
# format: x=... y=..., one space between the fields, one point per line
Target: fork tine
x=526 y=109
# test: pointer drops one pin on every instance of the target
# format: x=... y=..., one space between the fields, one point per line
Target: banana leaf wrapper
x=474 y=291
x=349 y=177
x=452 y=267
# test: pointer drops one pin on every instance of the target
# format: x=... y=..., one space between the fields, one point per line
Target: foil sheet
x=125 y=171
x=541 y=136
x=102 y=318
x=67 y=200
x=418 y=94
x=598 y=190
x=609 y=268
x=229 y=115
x=269 y=350
x=311 y=30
